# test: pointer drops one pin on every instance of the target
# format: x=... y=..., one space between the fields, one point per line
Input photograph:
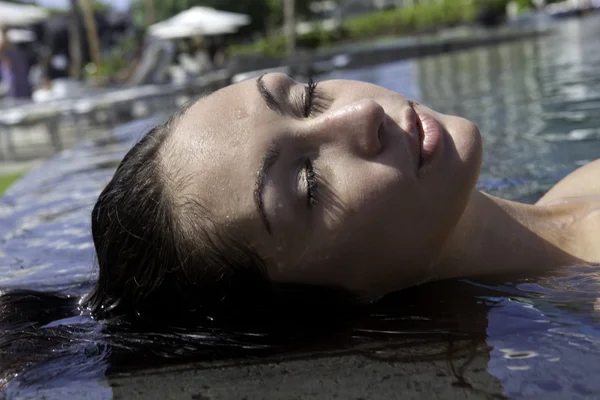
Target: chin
x=457 y=176
x=467 y=147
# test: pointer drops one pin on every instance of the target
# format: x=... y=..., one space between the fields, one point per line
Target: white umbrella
x=200 y=15
x=19 y=35
x=13 y=14
x=172 y=31
x=204 y=21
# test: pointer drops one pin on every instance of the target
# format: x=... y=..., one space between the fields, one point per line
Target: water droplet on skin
x=240 y=114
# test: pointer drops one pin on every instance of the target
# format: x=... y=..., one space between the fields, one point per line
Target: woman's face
x=345 y=184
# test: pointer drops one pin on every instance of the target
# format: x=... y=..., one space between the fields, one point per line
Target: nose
x=356 y=125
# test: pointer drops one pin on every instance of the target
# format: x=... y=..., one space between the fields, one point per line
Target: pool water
x=537 y=104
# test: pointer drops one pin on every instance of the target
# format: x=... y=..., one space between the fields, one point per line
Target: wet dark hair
x=159 y=256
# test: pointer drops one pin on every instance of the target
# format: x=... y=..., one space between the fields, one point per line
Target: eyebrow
x=269 y=159
x=267 y=96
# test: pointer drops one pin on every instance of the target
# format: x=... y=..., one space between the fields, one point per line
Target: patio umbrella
x=13 y=14
x=173 y=31
x=203 y=21
x=19 y=35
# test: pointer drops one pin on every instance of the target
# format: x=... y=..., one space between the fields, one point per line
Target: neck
x=498 y=237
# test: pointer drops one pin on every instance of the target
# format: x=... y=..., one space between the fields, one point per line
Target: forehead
x=215 y=149
x=219 y=116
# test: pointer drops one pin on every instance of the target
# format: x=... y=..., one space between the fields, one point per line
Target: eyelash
x=311 y=183
x=311 y=98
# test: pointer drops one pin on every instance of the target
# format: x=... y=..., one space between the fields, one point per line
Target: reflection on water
x=537 y=105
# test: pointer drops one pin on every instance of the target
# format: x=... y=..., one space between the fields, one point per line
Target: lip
x=429 y=135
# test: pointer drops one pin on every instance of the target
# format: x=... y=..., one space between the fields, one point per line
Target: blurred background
x=104 y=41
x=70 y=69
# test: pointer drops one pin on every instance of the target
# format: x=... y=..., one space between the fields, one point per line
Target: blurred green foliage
x=7 y=180
x=276 y=45
x=419 y=17
x=267 y=18
x=407 y=19
x=120 y=56
x=116 y=62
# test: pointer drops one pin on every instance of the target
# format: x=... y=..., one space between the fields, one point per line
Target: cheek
x=398 y=219
x=382 y=209
x=389 y=225
x=367 y=189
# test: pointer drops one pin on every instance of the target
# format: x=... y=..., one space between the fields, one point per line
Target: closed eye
x=311 y=184
x=309 y=91
x=314 y=103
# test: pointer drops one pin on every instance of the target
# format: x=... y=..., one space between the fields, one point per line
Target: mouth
x=427 y=132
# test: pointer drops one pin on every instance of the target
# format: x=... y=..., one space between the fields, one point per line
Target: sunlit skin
x=355 y=193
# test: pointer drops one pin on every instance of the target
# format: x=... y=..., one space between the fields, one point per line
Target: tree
x=75 y=41
x=275 y=19
x=92 y=33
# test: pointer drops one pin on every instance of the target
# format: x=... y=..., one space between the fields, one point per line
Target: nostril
x=381 y=137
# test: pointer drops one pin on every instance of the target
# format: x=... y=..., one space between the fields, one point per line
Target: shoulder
x=579 y=195
x=581 y=184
